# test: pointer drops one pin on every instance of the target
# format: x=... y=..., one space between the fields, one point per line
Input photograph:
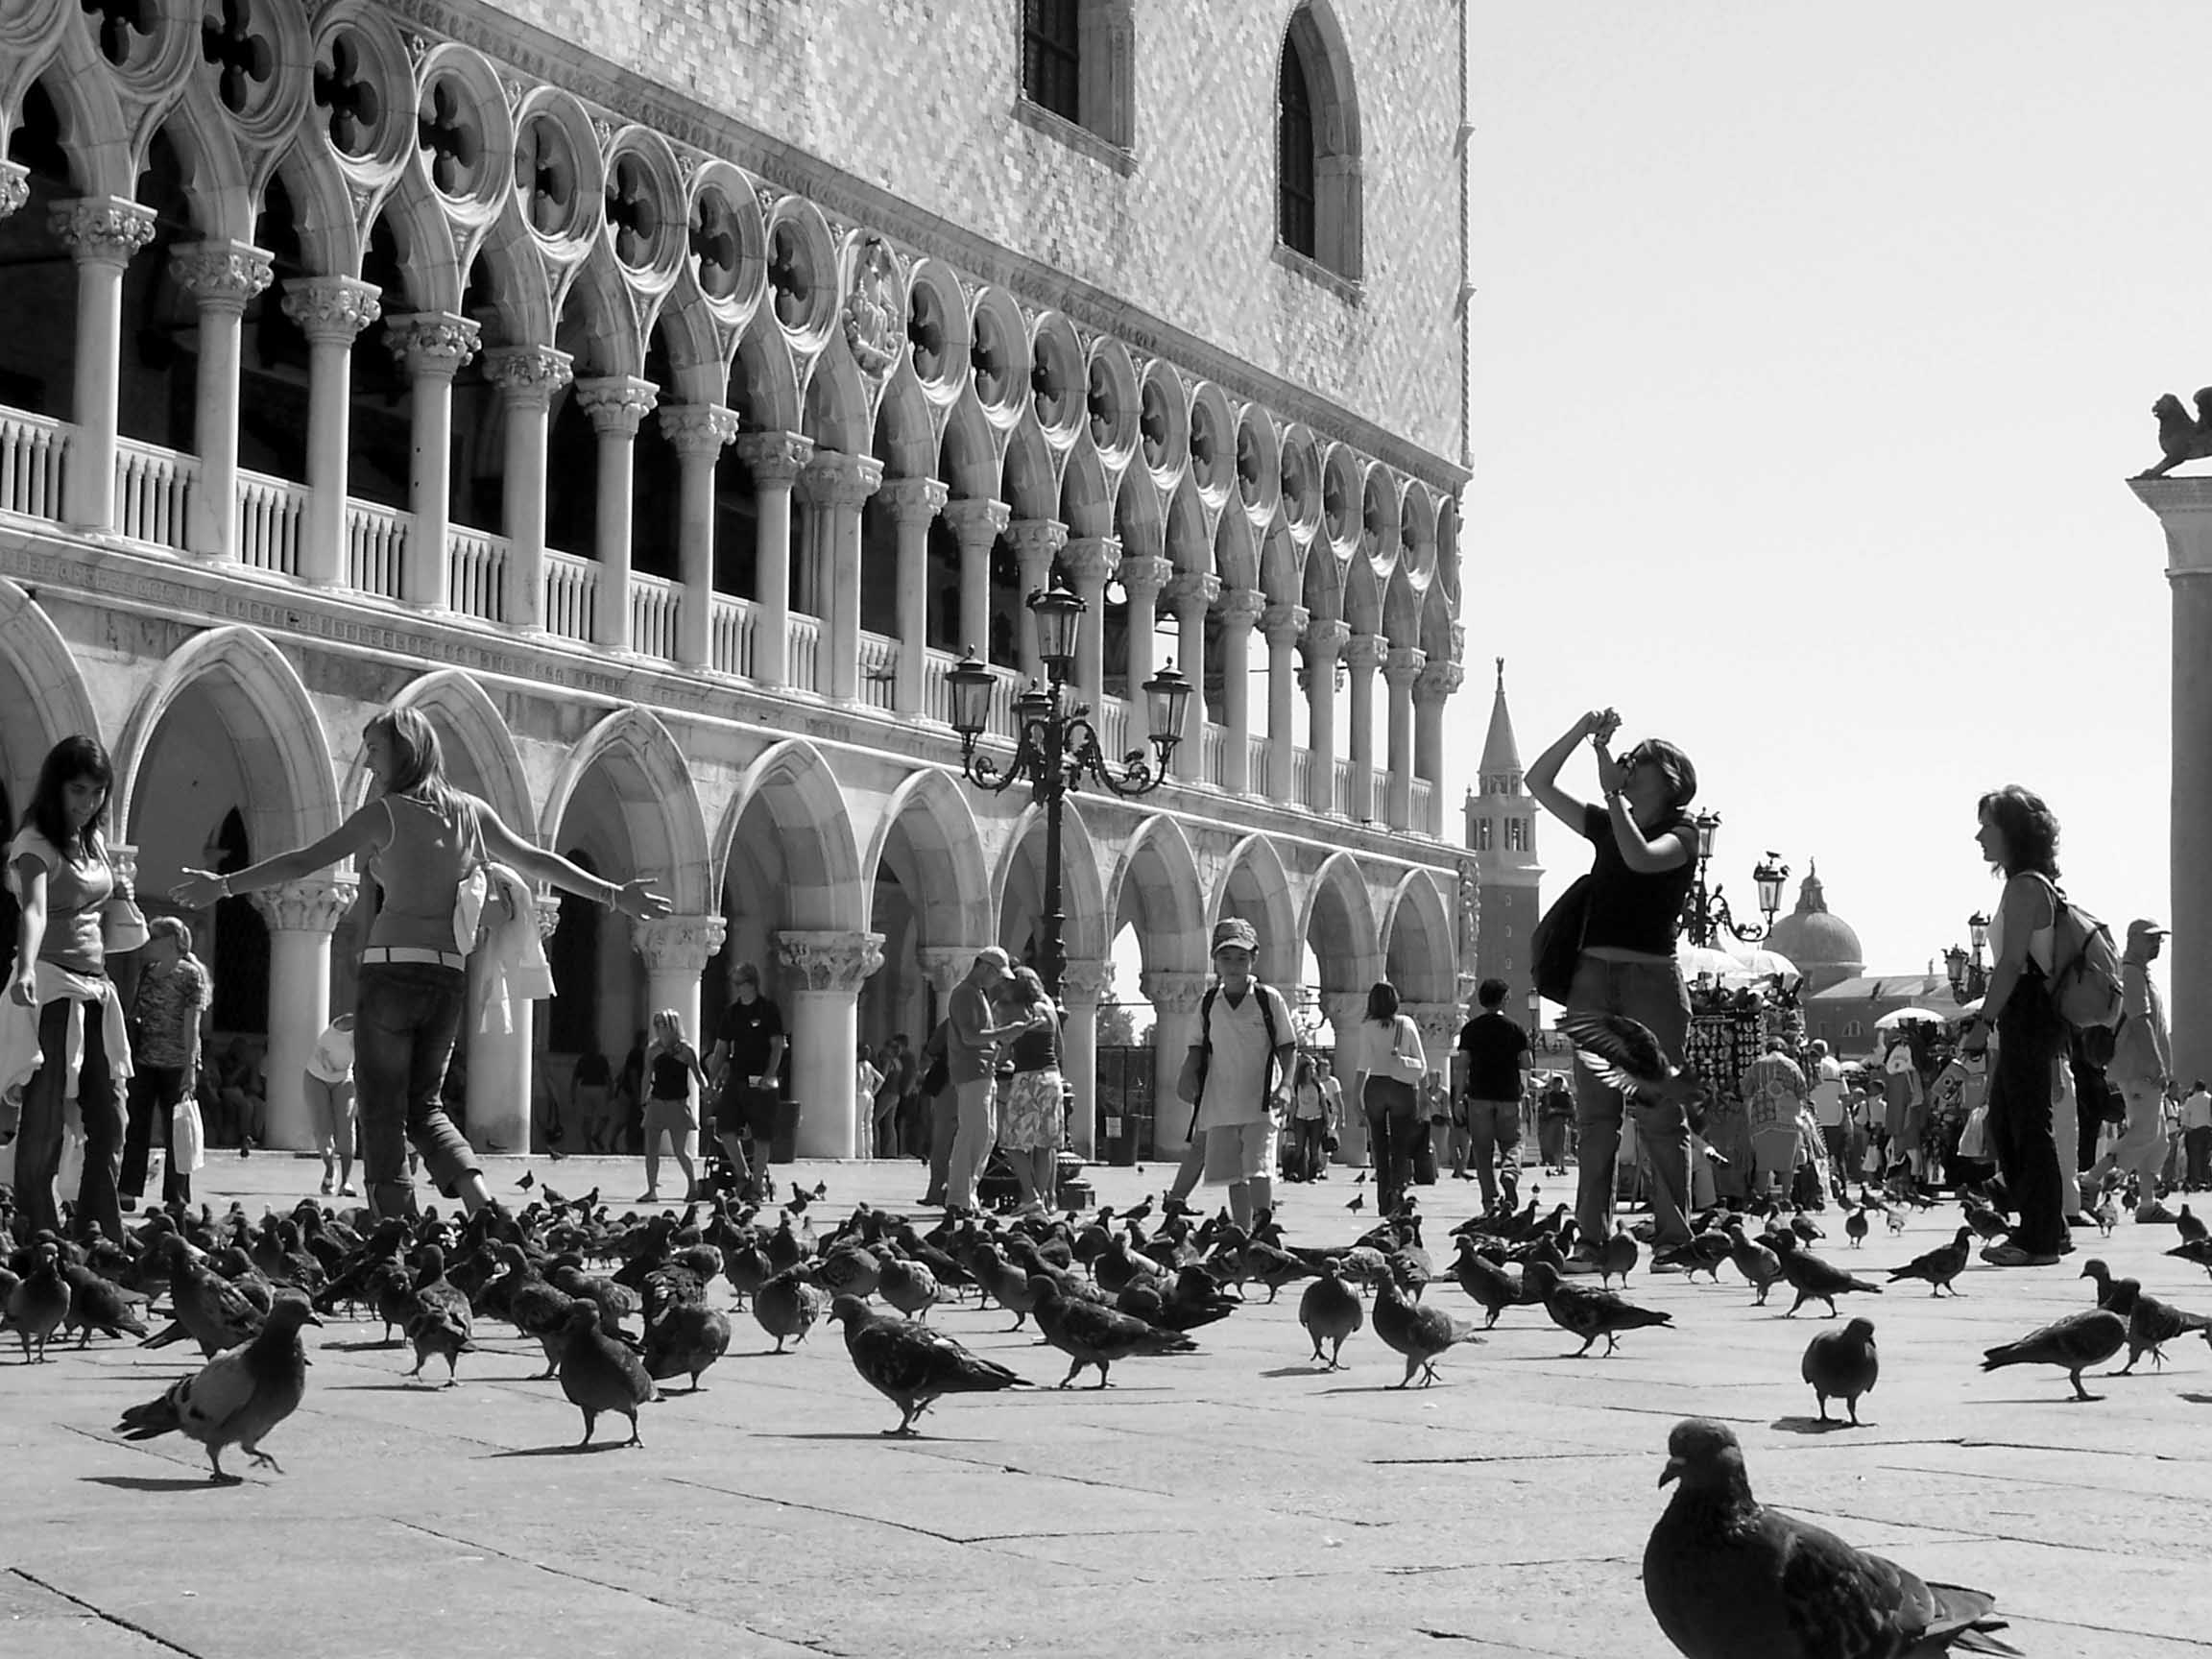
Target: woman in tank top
x=425 y=838
x=671 y=1108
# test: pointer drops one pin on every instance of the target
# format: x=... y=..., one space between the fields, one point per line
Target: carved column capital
x=1037 y=542
x=15 y=187
x=1144 y=578
x=912 y=500
x=1242 y=606
x=830 y=961
x=221 y=276
x=548 y=914
x=677 y=944
x=1343 y=1010
x=617 y=404
x=1325 y=640
x=431 y=344
x=528 y=375
x=1438 y=1024
x=1438 y=681
x=103 y=230
x=1085 y=980
x=1282 y=625
x=1367 y=650
x=1402 y=664
x=315 y=905
x=774 y=458
x=976 y=519
x=944 y=965
x=1193 y=591
x=837 y=480
x=694 y=429
x=1171 y=991
x=331 y=310
x=1091 y=561
x=123 y=859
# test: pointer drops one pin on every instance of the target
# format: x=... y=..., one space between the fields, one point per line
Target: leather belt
x=403 y=955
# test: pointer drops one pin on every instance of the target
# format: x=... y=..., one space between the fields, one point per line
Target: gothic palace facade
x=660 y=397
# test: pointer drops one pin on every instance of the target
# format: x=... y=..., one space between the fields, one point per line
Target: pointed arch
x=48 y=698
x=1319 y=146
x=837 y=404
x=955 y=896
x=1032 y=483
x=1190 y=543
x=1256 y=888
x=1235 y=561
x=763 y=381
x=271 y=721
x=1402 y=609
x=1082 y=888
x=1418 y=948
x=331 y=241
x=968 y=453
x=429 y=262
x=1339 y=925
x=95 y=134
x=821 y=858
x=1159 y=874
x=652 y=786
x=471 y=722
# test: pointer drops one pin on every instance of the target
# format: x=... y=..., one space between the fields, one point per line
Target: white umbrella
x=1753 y=962
x=1897 y=1017
x=1695 y=959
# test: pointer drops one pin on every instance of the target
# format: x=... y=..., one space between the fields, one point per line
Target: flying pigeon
x=1623 y=1055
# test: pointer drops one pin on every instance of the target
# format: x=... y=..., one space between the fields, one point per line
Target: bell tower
x=1501 y=836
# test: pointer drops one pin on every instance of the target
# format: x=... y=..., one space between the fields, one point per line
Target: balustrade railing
x=151 y=488
x=32 y=450
x=476 y=575
x=1422 y=790
x=1212 y=751
x=1112 y=719
x=270 y=513
x=656 y=605
x=375 y=547
x=730 y=634
x=879 y=670
x=1340 y=795
x=805 y=652
x=1302 y=778
x=571 y=595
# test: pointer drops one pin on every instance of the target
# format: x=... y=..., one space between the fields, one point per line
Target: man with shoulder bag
x=1236 y=1078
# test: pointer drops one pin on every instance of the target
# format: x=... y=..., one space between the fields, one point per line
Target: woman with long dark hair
x=1388 y=1087
x=58 y=870
x=427 y=841
x=2019 y=835
x=1645 y=858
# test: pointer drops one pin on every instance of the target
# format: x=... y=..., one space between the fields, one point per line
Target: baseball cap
x=2144 y=927
x=1234 y=933
x=997 y=957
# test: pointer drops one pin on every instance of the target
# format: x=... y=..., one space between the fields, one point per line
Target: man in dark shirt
x=1492 y=1066
x=589 y=1087
x=744 y=1066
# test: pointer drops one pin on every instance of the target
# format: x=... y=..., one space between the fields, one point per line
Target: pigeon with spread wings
x=1623 y=1055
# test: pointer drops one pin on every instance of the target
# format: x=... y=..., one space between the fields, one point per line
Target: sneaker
x=348 y=1191
x=2014 y=1256
x=326 y=1186
x=648 y=1196
x=2155 y=1212
x=126 y=1202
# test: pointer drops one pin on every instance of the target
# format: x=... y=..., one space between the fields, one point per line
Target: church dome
x=1823 y=945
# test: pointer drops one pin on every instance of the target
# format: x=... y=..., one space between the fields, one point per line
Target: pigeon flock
x=621 y=1306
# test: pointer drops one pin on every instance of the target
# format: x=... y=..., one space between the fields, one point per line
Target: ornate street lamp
x=1056 y=747
x=1705 y=913
x=1968 y=978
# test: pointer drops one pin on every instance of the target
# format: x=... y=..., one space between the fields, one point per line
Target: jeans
x=1651 y=994
x=1308 y=1156
x=978 y=1105
x=1551 y=1141
x=1492 y=1126
x=2198 y=1142
x=2031 y=1041
x=39 y=1148
x=943 y=1110
x=153 y=1089
x=1390 y=1145
x=407 y=1017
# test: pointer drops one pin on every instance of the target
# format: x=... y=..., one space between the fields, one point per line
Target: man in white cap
x=970 y=1061
x=2142 y=1061
x=1248 y=1046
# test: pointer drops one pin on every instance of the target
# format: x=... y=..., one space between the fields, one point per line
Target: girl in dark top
x=1031 y=1121
x=1646 y=849
x=672 y=1108
x=2019 y=835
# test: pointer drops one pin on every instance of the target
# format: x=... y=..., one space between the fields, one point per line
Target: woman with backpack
x=2019 y=835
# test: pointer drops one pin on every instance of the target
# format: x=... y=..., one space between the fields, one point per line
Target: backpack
x=1200 y=1059
x=2085 y=987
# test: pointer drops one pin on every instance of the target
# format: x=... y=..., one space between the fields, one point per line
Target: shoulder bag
x=1392 y=1095
x=1556 y=943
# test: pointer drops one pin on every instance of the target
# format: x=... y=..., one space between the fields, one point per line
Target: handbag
x=1557 y=941
x=1394 y=1098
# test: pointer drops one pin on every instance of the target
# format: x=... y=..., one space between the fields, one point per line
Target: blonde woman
x=671 y=1107
x=1034 y=1117
x=427 y=839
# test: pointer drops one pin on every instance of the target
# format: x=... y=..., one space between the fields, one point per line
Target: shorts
x=1241 y=1151
x=679 y=1119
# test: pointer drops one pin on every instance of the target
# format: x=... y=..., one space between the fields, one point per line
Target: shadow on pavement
x=157 y=1483
x=1814 y=1424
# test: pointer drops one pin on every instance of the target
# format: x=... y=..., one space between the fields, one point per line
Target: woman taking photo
x=2019 y=836
x=1388 y=1088
x=58 y=870
x=1032 y=1120
x=427 y=839
x=1646 y=847
x=671 y=1108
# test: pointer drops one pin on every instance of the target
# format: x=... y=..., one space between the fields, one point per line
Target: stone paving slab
x=1238 y=1501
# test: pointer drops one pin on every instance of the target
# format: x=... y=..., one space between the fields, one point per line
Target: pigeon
x=1623 y=1055
x=1855 y=1228
x=1359 y=1200
x=1896 y=1219
x=1090 y=1334
x=441 y=1322
x=535 y=1308
x=238 y=1397
x=1423 y=1335
x=600 y=1372
x=1814 y=1279
x=2190 y=1227
x=2073 y=1344
x=1728 y=1578
x=1330 y=1310
x=1703 y=1253
x=788 y=1305
x=908 y=1287
x=912 y=1365
x=1485 y=1282
x=1583 y=1311
x=1989 y=1226
x=684 y=1340
x=2199 y=1254
x=206 y=1308
x=2151 y=1324
x=1842 y=1364
x=2115 y=1294
x=97 y=1304
x=1759 y=1265
x=1940 y=1265
x=1617 y=1256
x=527 y=1182
x=39 y=1305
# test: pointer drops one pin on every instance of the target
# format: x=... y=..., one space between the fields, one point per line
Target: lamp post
x=1968 y=976
x=1705 y=913
x=1056 y=747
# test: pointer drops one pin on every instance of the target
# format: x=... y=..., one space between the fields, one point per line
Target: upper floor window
x=1052 y=56
x=1516 y=836
x=1318 y=151
x=1078 y=64
x=1482 y=834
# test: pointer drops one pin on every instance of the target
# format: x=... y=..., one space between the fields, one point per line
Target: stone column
x=837 y=485
x=1282 y=626
x=1325 y=642
x=1430 y=693
x=1090 y=563
x=1400 y=669
x=1144 y=579
x=301 y=916
x=697 y=432
x=102 y=233
x=1174 y=998
x=1438 y=1024
x=914 y=504
x=828 y=968
x=1240 y=608
x=977 y=523
x=1190 y=595
x=1037 y=542
x=332 y=311
x=431 y=346
x=1363 y=654
x=1343 y=1010
x=1082 y=984
x=221 y=277
x=618 y=405
x=2184 y=509
x=527 y=377
x=677 y=950
x=774 y=459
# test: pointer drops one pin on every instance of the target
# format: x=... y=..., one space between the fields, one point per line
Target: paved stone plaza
x=1236 y=1502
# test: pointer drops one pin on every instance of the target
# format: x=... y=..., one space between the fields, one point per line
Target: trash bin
x=783 y=1140
x=1117 y=1134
